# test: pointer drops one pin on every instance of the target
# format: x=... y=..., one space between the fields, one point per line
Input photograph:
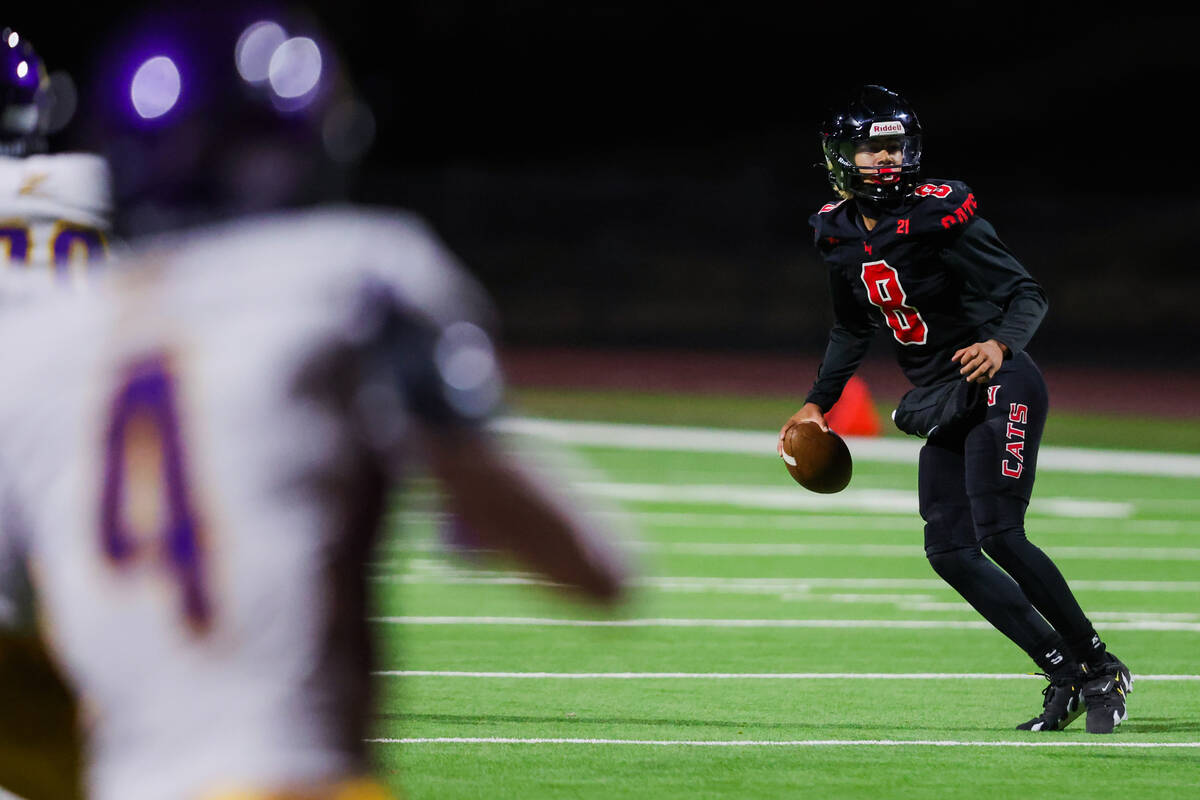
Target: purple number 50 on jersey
x=75 y=243
x=146 y=513
x=70 y=245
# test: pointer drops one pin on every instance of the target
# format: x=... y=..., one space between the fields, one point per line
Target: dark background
x=641 y=174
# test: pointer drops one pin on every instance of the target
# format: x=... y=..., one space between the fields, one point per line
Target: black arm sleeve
x=994 y=272
x=849 y=340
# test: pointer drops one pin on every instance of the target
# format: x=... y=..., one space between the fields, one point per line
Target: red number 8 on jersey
x=885 y=292
x=926 y=189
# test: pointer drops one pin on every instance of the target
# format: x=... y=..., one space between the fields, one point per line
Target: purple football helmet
x=219 y=110
x=24 y=97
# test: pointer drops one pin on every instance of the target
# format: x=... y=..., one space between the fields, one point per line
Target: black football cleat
x=1123 y=673
x=1104 y=695
x=1062 y=703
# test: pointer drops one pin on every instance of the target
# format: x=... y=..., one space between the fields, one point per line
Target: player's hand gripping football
x=980 y=361
x=811 y=412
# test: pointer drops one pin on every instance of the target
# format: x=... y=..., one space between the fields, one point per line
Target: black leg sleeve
x=1000 y=601
x=1001 y=462
x=1046 y=588
x=952 y=550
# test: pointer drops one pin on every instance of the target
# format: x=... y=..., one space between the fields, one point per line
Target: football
x=818 y=461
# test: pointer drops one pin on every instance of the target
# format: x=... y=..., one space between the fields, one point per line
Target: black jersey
x=934 y=272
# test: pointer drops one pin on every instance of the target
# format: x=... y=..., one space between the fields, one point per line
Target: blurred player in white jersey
x=196 y=455
x=55 y=208
x=55 y=214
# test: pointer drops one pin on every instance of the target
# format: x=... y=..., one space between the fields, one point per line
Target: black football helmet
x=877 y=121
x=24 y=97
x=221 y=108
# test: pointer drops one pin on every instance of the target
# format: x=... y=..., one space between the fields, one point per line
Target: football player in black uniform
x=916 y=256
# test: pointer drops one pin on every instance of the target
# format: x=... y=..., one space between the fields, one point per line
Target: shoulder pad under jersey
x=74 y=187
x=833 y=222
x=939 y=204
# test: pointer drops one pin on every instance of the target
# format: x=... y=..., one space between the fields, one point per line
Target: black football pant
x=975 y=482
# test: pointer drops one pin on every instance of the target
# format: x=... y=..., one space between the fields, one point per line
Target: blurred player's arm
x=508 y=508
x=446 y=386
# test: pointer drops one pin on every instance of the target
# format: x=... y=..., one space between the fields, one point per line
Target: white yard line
x=454 y=577
x=753 y=549
x=1135 y=625
x=802 y=590
x=780 y=743
x=807 y=522
x=713 y=440
x=777 y=549
x=865 y=501
x=432 y=569
x=740 y=676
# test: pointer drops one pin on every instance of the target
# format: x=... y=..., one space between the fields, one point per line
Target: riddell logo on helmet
x=886 y=128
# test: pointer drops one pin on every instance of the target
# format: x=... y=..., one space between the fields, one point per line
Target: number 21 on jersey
x=147 y=515
x=885 y=292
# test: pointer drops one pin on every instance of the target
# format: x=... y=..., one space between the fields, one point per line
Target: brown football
x=818 y=461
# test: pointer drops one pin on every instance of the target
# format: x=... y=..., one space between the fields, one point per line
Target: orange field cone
x=854 y=414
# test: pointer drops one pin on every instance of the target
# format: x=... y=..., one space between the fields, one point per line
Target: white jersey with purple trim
x=194 y=465
x=55 y=215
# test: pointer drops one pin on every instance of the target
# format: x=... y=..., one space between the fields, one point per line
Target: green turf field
x=771 y=648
